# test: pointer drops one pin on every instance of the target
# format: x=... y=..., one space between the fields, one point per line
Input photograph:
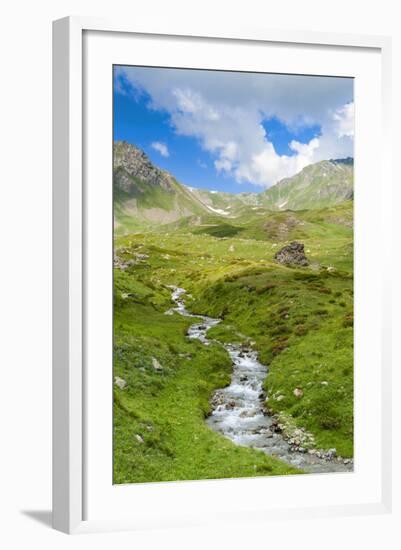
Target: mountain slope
x=225 y=204
x=145 y=194
x=324 y=183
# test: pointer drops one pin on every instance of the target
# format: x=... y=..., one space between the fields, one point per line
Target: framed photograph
x=220 y=324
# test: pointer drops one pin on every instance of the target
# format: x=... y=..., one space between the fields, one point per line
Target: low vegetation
x=298 y=319
x=159 y=428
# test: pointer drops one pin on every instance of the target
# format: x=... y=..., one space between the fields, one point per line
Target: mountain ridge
x=144 y=194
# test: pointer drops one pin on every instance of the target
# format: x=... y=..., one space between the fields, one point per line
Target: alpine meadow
x=233 y=274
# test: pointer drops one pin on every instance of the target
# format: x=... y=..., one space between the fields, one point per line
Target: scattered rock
x=119 y=262
x=217 y=399
x=266 y=432
x=232 y=248
x=275 y=426
x=324 y=383
x=331 y=453
x=247 y=414
x=139 y=438
x=280 y=397
x=292 y=254
x=156 y=365
x=120 y=382
x=298 y=392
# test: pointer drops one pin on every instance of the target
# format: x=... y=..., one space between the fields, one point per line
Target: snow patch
x=219 y=211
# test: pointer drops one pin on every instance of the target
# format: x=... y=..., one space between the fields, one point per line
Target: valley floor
x=299 y=320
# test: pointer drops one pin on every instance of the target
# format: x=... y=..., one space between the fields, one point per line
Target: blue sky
x=232 y=132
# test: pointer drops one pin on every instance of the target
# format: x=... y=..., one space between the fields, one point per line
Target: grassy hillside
x=301 y=324
x=299 y=319
x=147 y=197
x=159 y=428
x=318 y=185
x=146 y=207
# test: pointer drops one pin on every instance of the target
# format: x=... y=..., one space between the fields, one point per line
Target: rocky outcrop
x=131 y=162
x=292 y=254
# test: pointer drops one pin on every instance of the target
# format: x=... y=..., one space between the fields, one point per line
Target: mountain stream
x=238 y=410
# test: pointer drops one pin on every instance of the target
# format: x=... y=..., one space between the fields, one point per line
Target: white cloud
x=267 y=165
x=227 y=113
x=192 y=103
x=161 y=148
x=344 y=120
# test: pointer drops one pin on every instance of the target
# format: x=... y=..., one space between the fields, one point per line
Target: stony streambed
x=238 y=411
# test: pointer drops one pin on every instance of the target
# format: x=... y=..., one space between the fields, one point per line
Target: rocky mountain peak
x=131 y=162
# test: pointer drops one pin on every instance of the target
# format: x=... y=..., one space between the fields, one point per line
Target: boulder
x=331 y=453
x=292 y=254
x=156 y=365
x=120 y=382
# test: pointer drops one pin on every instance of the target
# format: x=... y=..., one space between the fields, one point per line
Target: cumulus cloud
x=228 y=113
x=161 y=148
x=344 y=120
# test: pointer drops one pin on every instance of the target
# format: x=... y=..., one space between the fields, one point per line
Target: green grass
x=301 y=324
x=167 y=408
x=299 y=320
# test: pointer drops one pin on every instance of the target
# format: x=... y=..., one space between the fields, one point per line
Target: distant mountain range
x=144 y=194
x=324 y=183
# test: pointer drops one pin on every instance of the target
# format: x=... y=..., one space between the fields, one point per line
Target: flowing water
x=238 y=411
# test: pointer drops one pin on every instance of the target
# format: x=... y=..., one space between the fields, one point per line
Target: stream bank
x=238 y=410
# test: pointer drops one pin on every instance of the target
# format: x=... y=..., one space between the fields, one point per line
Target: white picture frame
x=70 y=259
